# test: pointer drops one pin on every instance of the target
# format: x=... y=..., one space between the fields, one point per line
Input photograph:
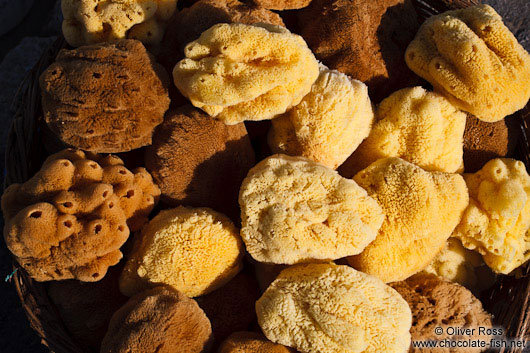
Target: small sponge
x=251 y=342
x=329 y=123
x=295 y=210
x=282 y=4
x=94 y=21
x=194 y=250
x=71 y=218
x=418 y=126
x=422 y=209
x=334 y=309
x=160 y=320
x=497 y=220
x=236 y=72
x=474 y=60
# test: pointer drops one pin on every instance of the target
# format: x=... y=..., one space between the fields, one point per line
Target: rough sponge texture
x=251 y=342
x=422 y=209
x=188 y=24
x=471 y=57
x=94 y=21
x=363 y=39
x=458 y=264
x=497 y=220
x=418 y=126
x=104 y=98
x=438 y=303
x=232 y=307
x=194 y=250
x=282 y=4
x=160 y=320
x=71 y=218
x=199 y=161
x=236 y=72
x=335 y=309
x=295 y=210
x=329 y=123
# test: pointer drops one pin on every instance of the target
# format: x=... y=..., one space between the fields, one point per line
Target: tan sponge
x=473 y=59
x=95 y=21
x=160 y=320
x=334 y=309
x=296 y=210
x=418 y=126
x=72 y=217
x=236 y=72
x=251 y=342
x=194 y=250
x=496 y=223
x=282 y=4
x=329 y=123
x=105 y=98
x=422 y=209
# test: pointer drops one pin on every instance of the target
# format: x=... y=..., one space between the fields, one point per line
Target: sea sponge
x=194 y=250
x=251 y=342
x=364 y=39
x=334 y=309
x=104 y=98
x=199 y=161
x=160 y=320
x=474 y=60
x=236 y=72
x=418 y=126
x=436 y=303
x=422 y=209
x=231 y=307
x=94 y=21
x=496 y=223
x=188 y=24
x=329 y=123
x=71 y=218
x=458 y=264
x=296 y=210
x=282 y=4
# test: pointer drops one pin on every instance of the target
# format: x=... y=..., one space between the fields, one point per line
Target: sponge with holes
x=496 y=223
x=95 y=21
x=473 y=59
x=71 y=218
x=105 y=98
x=236 y=72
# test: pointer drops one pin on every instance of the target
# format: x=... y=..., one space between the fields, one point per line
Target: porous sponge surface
x=496 y=223
x=194 y=250
x=422 y=209
x=326 y=308
x=329 y=123
x=474 y=60
x=236 y=72
x=296 y=210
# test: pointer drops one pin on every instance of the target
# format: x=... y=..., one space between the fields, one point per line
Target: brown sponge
x=231 y=307
x=251 y=342
x=188 y=24
x=160 y=320
x=105 y=97
x=282 y=4
x=71 y=218
x=363 y=39
x=436 y=303
x=199 y=161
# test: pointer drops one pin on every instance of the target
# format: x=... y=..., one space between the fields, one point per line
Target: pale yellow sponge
x=94 y=21
x=328 y=124
x=194 y=250
x=296 y=210
x=418 y=126
x=236 y=72
x=327 y=308
x=496 y=223
x=474 y=60
x=422 y=209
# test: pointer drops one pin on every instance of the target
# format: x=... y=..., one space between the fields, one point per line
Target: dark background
x=19 y=50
